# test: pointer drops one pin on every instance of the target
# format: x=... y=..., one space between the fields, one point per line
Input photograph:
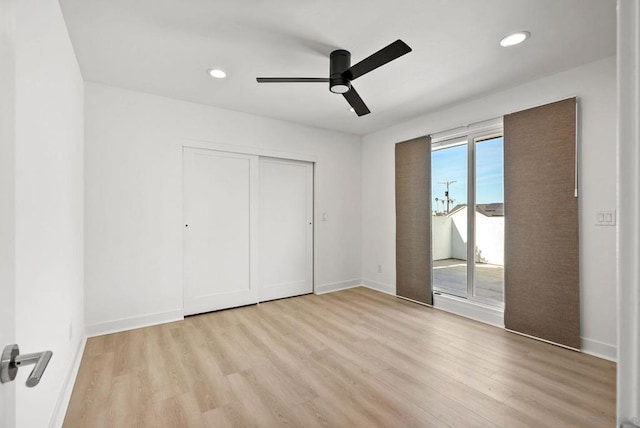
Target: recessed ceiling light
x=217 y=73
x=514 y=38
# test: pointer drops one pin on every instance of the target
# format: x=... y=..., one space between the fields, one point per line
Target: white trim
x=473 y=310
x=247 y=150
x=599 y=349
x=483 y=127
x=337 y=286
x=384 y=288
x=60 y=410
x=542 y=340
x=577 y=148
x=125 y=324
x=628 y=195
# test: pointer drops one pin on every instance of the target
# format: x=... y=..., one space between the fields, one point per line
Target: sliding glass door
x=489 y=219
x=449 y=176
x=468 y=172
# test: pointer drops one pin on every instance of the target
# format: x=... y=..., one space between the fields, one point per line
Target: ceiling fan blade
x=387 y=54
x=356 y=102
x=292 y=80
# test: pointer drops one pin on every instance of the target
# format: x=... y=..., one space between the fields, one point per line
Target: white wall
x=134 y=199
x=49 y=204
x=459 y=234
x=449 y=237
x=441 y=237
x=490 y=239
x=595 y=85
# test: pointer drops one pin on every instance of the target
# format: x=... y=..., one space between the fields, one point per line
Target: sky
x=450 y=164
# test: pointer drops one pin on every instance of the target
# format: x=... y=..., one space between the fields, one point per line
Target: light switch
x=606 y=218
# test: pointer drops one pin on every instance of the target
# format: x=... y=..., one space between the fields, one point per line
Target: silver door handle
x=11 y=361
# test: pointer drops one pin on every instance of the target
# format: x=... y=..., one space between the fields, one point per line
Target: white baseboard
x=124 y=324
x=60 y=411
x=475 y=311
x=378 y=286
x=337 y=286
x=599 y=349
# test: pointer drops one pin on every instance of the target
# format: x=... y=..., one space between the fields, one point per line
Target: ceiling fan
x=341 y=73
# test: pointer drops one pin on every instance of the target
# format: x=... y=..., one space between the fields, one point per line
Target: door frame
x=470 y=136
x=472 y=140
x=247 y=150
x=7 y=203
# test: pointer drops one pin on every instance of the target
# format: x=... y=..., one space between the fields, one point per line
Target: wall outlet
x=379 y=268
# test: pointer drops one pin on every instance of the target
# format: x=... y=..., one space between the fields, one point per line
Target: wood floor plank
x=352 y=358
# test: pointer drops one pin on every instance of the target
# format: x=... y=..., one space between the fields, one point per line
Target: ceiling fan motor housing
x=339 y=61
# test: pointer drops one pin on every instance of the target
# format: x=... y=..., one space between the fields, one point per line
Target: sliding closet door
x=221 y=222
x=541 y=226
x=286 y=228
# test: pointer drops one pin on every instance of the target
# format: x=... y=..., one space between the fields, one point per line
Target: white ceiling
x=164 y=47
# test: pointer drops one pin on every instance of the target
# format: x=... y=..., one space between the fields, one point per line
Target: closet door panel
x=220 y=201
x=286 y=228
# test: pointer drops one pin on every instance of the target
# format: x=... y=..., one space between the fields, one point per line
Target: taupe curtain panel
x=413 y=220
x=541 y=224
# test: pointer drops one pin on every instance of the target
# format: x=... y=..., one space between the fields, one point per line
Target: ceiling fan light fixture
x=514 y=38
x=340 y=88
x=217 y=73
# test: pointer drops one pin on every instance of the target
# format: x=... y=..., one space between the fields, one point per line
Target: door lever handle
x=40 y=359
x=11 y=361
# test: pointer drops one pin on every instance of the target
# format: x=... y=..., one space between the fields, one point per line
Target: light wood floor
x=354 y=358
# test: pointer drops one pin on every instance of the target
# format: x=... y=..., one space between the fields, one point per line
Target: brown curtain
x=541 y=224
x=413 y=220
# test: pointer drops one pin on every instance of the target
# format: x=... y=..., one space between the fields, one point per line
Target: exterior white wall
x=459 y=234
x=447 y=234
x=595 y=85
x=133 y=199
x=441 y=237
x=49 y=207
x=490 y=239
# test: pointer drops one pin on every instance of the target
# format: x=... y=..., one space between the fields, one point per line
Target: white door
x=7 y=114
x=286 y=228
x=221 y=223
